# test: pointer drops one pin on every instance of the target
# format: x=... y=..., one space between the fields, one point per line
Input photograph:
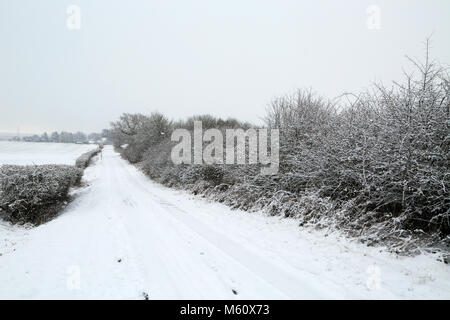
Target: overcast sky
x=227 y=58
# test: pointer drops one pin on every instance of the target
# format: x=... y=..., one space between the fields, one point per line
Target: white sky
x=227 y=58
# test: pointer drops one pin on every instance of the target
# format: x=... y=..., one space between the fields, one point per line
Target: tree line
x=66 y=137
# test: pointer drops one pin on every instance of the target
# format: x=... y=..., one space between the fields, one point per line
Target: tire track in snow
x=261 y=273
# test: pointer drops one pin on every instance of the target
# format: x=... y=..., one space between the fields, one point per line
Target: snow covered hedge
x=83 y=161
x=376 y=166
x=35 y=194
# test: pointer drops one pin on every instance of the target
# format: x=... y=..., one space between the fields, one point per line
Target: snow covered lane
x=127 y=237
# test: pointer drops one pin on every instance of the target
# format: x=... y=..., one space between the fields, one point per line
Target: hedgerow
x=35 y=194
x=83 y=161
x=376 y=166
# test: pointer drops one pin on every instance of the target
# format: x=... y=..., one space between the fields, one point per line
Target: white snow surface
x=29 y=153
x=172 y=245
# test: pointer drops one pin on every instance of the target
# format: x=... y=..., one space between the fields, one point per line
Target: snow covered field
x=25 y=153
x=127 y=237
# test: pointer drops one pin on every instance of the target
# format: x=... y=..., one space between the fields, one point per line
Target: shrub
x=157 y=159
x=35 y=193
x=212 y=174
x=83 y=161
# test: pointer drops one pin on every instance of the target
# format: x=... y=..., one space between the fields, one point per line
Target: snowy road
x=127 y=237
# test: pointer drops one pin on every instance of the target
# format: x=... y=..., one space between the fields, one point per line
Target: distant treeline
x=375 y=165
x=66 y=137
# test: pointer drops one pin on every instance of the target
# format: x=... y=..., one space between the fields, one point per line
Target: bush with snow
x=83 y=161
x=35 y=193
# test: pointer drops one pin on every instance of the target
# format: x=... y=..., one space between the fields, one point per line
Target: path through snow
x=125 y=236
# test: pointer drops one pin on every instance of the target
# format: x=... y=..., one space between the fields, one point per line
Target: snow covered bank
x=126 y=237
